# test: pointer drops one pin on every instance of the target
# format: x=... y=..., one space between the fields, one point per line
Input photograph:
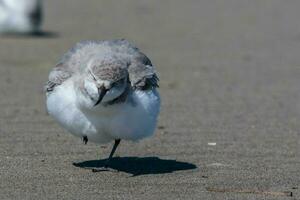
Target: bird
x=104 y=91
x=20 y=16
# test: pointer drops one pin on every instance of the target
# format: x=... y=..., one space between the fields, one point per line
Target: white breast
x=132 y=120
x=61 y=105
x=137 y=119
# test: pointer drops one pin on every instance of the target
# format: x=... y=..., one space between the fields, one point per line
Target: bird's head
x=104 y=81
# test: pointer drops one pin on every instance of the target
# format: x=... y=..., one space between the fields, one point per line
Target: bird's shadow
x=139 y=166
x=39 y=34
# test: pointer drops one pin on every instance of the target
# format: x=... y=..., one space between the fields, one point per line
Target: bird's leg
x=85 y=139
x=117 y=142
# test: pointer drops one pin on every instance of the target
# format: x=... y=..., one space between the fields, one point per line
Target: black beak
x=102 y=91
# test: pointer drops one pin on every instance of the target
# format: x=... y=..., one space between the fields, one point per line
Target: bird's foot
x=104 y=169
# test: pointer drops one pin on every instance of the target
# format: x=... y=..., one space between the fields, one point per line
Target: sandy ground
x=230 y=75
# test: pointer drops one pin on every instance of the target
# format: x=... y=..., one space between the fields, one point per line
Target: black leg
x=117 y=142
x=105 y=168
x=85 y=139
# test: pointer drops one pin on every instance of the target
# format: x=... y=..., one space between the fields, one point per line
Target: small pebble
x=212 y=144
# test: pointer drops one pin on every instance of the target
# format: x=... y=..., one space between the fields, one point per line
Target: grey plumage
x=112 y=60
x=57 y=76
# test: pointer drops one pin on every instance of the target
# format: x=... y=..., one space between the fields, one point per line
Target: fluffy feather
x=129 y=110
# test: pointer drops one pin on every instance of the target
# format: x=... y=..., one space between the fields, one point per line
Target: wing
x=67 y=66
x=57 y=76
x=71 y=62
x=142 y=73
